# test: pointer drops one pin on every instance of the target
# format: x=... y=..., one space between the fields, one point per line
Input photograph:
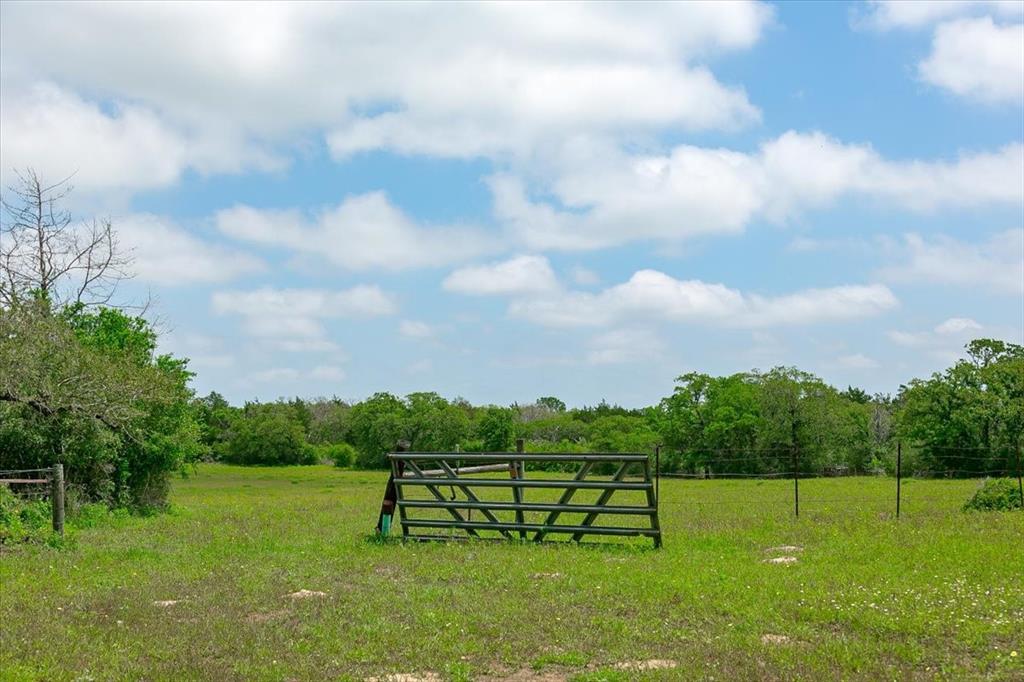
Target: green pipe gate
x=430 y=494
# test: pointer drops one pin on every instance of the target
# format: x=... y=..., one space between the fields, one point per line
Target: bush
x=21 y=520
x=342 y=454
x=269 y=438
x=997 y=494
x=88 y=389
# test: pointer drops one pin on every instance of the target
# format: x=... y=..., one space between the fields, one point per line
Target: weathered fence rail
x=52 y=478
x=420 y=480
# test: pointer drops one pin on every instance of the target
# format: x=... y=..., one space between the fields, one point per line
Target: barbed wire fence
x=885 y=491
x=39 y=485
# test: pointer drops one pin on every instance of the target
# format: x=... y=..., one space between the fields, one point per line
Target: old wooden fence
x=38 y=483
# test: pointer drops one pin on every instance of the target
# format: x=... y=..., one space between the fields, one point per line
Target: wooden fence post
x=57 y=497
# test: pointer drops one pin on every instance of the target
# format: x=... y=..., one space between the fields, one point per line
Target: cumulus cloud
x=944 y=341
x=995 y=264
x=612 y=198
x=654 y=295
x=167 y=254
x=117 y=149
x=226 y=84
x=977 y=47
x=363 y=232
x=519 y=275
x=894 y=14
x=296 y=315
x=957 y=325
x=978 y=58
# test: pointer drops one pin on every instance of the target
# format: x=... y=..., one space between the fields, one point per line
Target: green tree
x=377 y=425
x=969 y=418
x=86 y=388
x=496 y=428
x=269 y=437
x=552 y=403
x=434 y=424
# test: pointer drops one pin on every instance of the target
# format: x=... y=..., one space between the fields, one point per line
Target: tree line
x=967 y=420
x=82 y=383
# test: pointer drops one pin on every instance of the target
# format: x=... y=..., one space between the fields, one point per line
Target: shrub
x=88 y=389
x=342 y=454
x=22 y=520
x=269 y=438
x=997 y=494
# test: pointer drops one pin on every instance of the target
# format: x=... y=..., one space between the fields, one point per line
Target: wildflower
x=1013 y=654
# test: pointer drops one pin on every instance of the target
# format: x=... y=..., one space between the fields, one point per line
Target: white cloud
x=957 y=325
x=972 y=55
x=519 y=275
x=943 y=342
x=415 y=329
x=857 y=361
x=979 y=59
x=996 y=264
x=121 y=149
x=59 y=134
x=165 y=253
x=653 y=295
x=909 y=339
x=363 y=232
x=622 y=346
x=232 y=82
x=893 y=14
x=610 y=199
x=296 y=315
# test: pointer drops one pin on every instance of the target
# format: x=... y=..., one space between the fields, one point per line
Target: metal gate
x=435 y=495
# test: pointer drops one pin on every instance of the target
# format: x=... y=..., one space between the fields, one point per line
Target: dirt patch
x=784 y=549
x=164 y=603
x=407 y=677
x=543 y=576
x=651 y=664
x=306 y=594
x=775 y=640
x=783 y=560
x=526 y=675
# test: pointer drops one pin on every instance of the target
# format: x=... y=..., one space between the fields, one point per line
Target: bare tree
x=45 y=254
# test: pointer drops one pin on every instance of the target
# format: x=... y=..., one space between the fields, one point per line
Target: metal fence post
x=657 y=475
x=1020 y=484
x=517 y=493
x=899 y=475
x=57 y=497
x=796 y=481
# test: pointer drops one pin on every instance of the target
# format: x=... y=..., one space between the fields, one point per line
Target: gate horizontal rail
x=519 y=456
x=514 y=483
x=531 y=506
x=458 y=496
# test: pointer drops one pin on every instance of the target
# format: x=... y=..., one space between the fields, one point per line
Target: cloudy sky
x=505 y=201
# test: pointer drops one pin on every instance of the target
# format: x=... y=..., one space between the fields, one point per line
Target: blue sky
x=508 y=201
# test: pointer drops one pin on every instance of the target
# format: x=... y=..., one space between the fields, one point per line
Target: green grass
x=939 y=594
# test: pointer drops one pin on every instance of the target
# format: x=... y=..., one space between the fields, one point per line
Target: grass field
x=939 y=594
